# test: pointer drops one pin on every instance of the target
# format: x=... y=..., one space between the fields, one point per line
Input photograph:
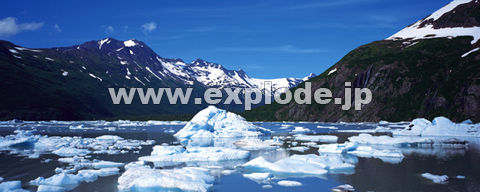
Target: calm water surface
x=370 y=174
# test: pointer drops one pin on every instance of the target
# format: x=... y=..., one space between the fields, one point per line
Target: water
x=370 y=174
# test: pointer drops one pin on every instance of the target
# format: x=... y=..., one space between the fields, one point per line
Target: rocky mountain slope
x=428 y=69
x=71 y=83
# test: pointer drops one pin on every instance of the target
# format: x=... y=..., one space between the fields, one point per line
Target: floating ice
x=65 y=181
x=287 y=183
x=440 y=179
x=287 y=166
x=27 y=144
x=299 y=148
x=12 y=186
x=368 y=139
x=440 y=126
x=337 y=148
x=300 y=130
x=257 y=144
x=176 y=154
x=386 y=155
x=317 y=138
x=258 y=177
x=141 y=178
x=343 y=188
x=70 y=152
x=213 y=122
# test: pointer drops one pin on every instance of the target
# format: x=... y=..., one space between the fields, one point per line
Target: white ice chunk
x=317 y=138
x=440 y=179
x=440 y=126
x=12 y=186
x=288 y=183
x=140 y=178
x=70 y=152
x=257 y=144
x=343 y=188
x=367 y=139
x=195 y=154
x=299 y=129
x=258 y=177
x=213 y=122
x=285 y=166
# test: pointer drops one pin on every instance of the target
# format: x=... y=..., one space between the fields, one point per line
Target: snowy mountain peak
x=130 y=43
x=142 y=64
x=311 y=75
x=458 y=18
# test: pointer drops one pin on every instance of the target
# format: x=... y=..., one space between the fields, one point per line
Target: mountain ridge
x=71 y=83
x=418 y=72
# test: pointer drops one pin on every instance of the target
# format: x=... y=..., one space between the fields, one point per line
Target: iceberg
x=343 y=188
x=287 y=183
x=386 y=155
x=257 y=144
x=25 y=143
x=337 y=148
x=70 y=152
x=258 y=177
x=440 y=126
x=141 y=178
x=12 y=186
x=300 y=130
x=317 y=138
x=176 y=154
x=367 y=139
x=213 y=122
x=299 y=149
x=440 y=179
x=64 y=181
x=287 y=166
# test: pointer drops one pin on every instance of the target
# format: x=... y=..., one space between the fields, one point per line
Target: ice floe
x=141 y=178
x=440 y=179
x=66 y=181
x=288 y=183
x=287 y=166
x=343 y=188
x=11 y=186
x=440 y=126
x=257 y=144
x=25 y=143
x=258 y=177
x=317 y=138
x=386 y=155
x=172 y=155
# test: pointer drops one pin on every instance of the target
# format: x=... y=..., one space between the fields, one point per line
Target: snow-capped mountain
x=458 y=18
x=136 y=57
x=72 y=83
x=428 y=69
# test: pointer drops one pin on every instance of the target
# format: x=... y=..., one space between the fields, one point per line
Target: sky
x=265 y=38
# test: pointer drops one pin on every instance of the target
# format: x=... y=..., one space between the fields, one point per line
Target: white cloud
x=9 y=26
x=281 y=49
x=109 y=29
x=149 y=27
x=57 y=28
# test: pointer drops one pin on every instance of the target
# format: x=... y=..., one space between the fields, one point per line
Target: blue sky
x=268 y=38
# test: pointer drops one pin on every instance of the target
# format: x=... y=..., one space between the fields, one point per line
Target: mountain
x=71 y=83
x=428 y=69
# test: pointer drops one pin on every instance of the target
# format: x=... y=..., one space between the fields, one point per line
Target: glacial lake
x=369 y=174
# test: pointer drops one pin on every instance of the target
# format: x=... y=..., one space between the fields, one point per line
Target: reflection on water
x=369 y=174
